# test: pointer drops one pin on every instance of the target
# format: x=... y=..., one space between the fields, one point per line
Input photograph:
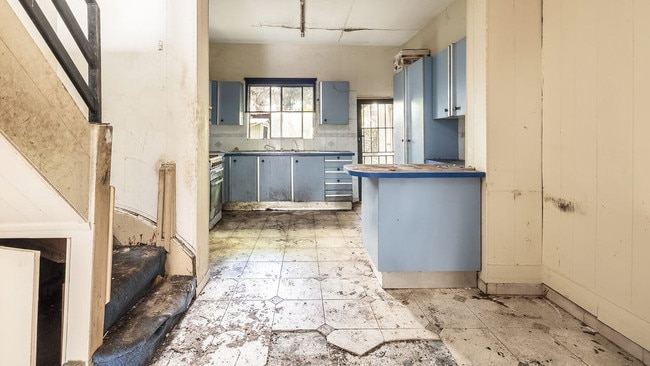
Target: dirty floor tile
x=296 y=288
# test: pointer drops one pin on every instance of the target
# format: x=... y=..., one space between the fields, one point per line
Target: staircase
x=144 y=305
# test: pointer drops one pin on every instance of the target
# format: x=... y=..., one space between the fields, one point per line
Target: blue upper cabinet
x=449 y=71
x=226 y=102
x=334 y=102
x=441 y=101
x=458 y=84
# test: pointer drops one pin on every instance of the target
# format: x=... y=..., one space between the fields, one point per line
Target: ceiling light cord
x=302 y=18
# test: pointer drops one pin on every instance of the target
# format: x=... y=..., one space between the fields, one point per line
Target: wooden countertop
x=412 y=171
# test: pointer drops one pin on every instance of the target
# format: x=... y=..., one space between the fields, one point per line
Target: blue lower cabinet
x=242 y=178
x=275 y=178
x=308 y=176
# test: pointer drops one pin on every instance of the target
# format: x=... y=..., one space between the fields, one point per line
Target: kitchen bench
x=421 y=223
x=287 y=179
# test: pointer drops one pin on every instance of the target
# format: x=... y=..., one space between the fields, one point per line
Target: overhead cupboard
x=428 y=99
x=228 y=100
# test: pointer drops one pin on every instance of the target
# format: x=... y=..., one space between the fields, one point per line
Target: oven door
x=216 y=181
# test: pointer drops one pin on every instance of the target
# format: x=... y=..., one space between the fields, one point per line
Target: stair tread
x=134 y=338
x=134 y=269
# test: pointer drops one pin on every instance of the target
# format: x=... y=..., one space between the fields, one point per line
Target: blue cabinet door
x=308 y=178
x=275 y=178
x=242 y=178
x=399 y=116
x=230 y=95
x=458 y=85
x=419 y=87
x=214 y=87
x=334 y=102
x=441 y=92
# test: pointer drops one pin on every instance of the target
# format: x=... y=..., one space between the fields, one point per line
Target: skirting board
x=285 y=206
x=427 y=279
x=539 y=289
x=527 y=289
x=586 y=317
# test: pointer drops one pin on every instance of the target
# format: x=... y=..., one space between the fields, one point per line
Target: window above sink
x=280 y=108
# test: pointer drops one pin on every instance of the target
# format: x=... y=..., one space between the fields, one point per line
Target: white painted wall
x=154 y=55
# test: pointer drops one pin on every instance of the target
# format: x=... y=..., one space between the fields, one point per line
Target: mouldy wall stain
x=561 y=204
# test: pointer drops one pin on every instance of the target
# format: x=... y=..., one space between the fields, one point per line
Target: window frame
x=281 y=83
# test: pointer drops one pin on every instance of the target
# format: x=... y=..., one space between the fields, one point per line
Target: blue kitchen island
x=421 y=223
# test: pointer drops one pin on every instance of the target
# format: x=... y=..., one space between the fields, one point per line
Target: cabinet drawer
x=336 y=174
x=338 y=158
x=337 y=180
x=338 y=187
x=338 y=196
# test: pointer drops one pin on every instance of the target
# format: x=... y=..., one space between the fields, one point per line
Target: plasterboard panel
x=327 y=14
x=376 y=38
x=390 y=14
x=241 y=21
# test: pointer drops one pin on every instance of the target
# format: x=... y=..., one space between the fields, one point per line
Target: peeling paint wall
x=155 y=95
x=596 y=176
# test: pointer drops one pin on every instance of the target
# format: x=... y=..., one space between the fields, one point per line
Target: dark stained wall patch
x=562 y=204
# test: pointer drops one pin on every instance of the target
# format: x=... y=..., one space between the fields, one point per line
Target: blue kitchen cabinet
x=308 y=177
x=226 y=102
x=242 y=178
x=399 y=116
x=449 y=75
x=338 y=184
x=441 y=106
x=334 y=102
x=459 y=83
x=275 y=178
x=419 y=88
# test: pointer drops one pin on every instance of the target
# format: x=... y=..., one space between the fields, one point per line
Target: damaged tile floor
x=296 y=288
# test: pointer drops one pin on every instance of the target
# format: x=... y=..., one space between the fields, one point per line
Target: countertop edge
x=414 y=174
x=288 y=153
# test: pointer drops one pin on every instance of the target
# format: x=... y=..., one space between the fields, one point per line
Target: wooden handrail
x=90 y=48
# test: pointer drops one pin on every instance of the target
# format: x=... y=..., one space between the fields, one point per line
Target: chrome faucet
x=295 y=144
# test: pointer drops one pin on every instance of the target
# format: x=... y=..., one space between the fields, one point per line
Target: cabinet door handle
x=446 y=109
x=296 y=161
x=234 y=160
x=456 y=108
x=222 y=120
x=262 y=160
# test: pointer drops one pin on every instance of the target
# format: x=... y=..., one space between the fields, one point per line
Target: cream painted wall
x=155 y=96
x=446 y=28
x=368 y=69
x=504 y=134
x=596 y=177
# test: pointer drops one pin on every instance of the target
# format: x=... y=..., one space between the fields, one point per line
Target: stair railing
x=90 y=47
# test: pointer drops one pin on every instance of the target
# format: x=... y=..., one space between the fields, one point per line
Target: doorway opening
x=375 y=135
x=51 y=292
